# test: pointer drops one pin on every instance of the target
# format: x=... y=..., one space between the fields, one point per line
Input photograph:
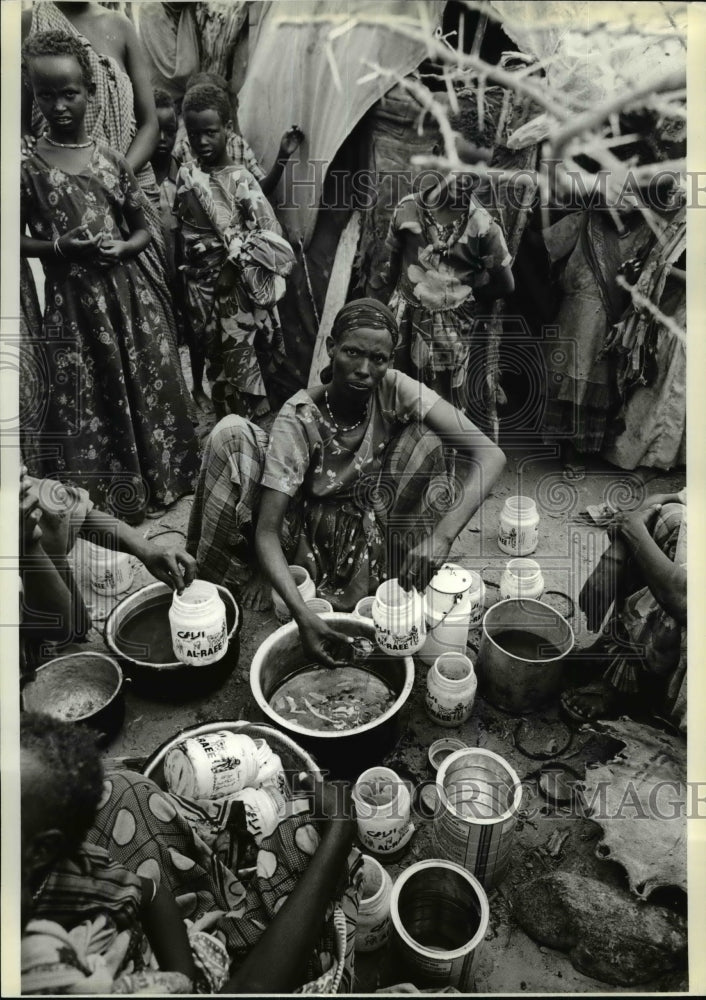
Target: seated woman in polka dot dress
x=138 y=837
x=86 y=918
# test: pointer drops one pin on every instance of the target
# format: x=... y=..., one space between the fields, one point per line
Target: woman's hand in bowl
x=320 y=641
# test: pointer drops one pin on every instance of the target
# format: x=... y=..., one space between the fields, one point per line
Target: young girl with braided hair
x=116 y=423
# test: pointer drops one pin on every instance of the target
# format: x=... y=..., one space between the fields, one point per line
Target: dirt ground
x=510 y=962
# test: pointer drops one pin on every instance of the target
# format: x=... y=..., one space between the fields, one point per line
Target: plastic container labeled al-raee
x=111 y=572
x=400 y=626
x=212 y=765
x=373 y=928
x=383 y=807
x=197 y=619
x=522 y=578
x=518 y=531
x=451 y=689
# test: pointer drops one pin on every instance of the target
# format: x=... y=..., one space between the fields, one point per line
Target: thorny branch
x=641 y=301
x=564 y=123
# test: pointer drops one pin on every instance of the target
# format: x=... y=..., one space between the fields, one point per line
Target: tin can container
x=520 y=662
x=480 y=796
x=440 y=915
x=441 y=749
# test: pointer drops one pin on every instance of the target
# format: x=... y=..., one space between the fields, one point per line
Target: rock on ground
x=607 y=933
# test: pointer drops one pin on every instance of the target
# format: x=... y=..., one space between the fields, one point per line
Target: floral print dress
x=116 y=424
x=224 y=216
x=441 y=267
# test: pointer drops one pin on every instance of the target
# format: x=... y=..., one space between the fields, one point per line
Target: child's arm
x=290 y=142
x=394 y=264
x=51 y=609
x=173 y=566
x=75 y=245
x=166 y=932
x=277 y=963
x=496 y=261
x=146 y=137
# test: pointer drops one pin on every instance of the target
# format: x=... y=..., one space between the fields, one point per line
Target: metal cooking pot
x=65 y=684
x=515 y=682
x=174 y=679
x=347 y=753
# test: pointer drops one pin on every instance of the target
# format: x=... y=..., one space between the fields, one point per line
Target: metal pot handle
x=457 y=600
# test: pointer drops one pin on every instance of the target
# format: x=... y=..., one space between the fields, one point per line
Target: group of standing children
x=131 y=251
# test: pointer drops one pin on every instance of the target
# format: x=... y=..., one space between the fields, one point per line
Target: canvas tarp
x=291 y=81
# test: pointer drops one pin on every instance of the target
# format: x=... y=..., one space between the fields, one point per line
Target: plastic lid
x=451 y=579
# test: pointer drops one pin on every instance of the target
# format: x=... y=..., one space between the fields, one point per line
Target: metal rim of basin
x=488 y=623
x=54 y=665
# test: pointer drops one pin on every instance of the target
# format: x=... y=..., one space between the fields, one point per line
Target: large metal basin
x=342 y=754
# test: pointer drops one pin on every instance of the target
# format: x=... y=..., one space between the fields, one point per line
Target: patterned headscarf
x=367 y=313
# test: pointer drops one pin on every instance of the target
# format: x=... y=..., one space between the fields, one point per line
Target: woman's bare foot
x=256 y=594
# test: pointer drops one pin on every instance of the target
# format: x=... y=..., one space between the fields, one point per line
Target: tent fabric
x=290 y=81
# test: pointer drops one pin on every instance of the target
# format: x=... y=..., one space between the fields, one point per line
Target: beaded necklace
x=352 y=427
x=68 y=145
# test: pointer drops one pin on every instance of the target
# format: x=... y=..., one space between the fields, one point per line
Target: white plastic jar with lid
x=198 y=622
x=271 y=772
x=518 y=531
x=451 y=689
x=111 y=572
x=211 y=765
x=373 y=928
x=383 y=807
x=522 y=578
x=400 y=625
